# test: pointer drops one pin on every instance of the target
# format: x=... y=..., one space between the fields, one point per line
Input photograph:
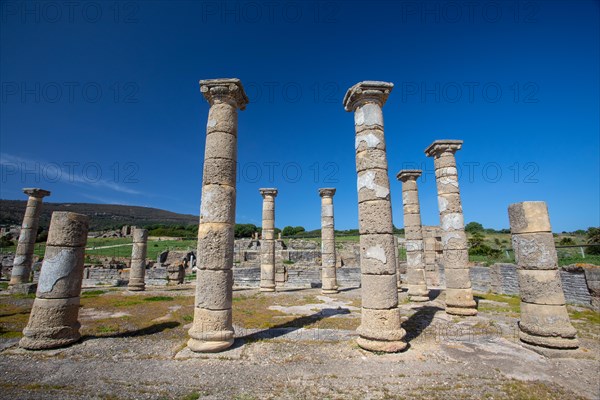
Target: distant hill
x=102 y=216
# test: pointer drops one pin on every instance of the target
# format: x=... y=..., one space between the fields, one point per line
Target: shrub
x=6 y=242
x=593 y=237
x=566 y=241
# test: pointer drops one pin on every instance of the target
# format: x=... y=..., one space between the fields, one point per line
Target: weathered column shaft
x=267 y=246
x=544 y=318
x=328 y=257
x=53 y=321
x=415 y=257
x=212 y=329
x=21 y=272
x=459 y=294
x=380 y=318
x=137 y=269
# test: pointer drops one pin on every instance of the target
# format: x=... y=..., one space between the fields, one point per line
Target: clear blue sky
x=101 y=103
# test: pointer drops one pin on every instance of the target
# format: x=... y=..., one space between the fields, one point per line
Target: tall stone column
x=380 y=316
x=328 y=269
x=544 y=319
x=21 y=272
x=267 y=246
x=459 y=295
x=137 y=269
x=212 y=329
x=415 y=257
x=53 y=321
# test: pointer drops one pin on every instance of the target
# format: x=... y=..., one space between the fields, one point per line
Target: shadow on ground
x=294 y=325
x=149 y=330
x=416 y=324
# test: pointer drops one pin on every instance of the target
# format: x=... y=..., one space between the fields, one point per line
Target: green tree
x=593 y=237
x=292 y=230
x=288 y=231
x=244 y=230
x=473 y=227
x=476 y=240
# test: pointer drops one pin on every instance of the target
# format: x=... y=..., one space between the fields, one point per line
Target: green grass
x=124 y=250
x=3 y=285
x=159 y=298
x=92 y=293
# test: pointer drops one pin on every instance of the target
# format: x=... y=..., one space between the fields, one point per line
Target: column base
x=52 y=323
x=136 y=285
x=23 y=288
x=267 y=286
x=465 y=312
x=460 y=302
x=207 y=346
x=329 y=291
x=418 y=293
x=557 y=343
x=380 y=345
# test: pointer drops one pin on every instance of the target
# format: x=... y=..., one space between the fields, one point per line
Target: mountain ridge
x=102 y=216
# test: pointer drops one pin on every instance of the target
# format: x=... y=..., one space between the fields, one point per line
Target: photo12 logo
x=288 y=172
x=69 y=92
x=269 y=12
x=69 y=12
x=488 y=172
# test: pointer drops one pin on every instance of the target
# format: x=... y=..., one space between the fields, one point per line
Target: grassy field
x=121 y=247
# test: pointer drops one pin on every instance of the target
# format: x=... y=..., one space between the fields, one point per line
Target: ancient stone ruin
x=328 y=259
x=137 y=269
x=415 y=255
x=544 y=319
x=267 y=244
x=53 y=321
x=435 y=256
x=380 y=318
x=21 y=272
x=212 y=329
x=459 y=295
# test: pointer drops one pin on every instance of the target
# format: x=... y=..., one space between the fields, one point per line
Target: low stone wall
x=502 y=279
x=297 y=277
x=98 y=276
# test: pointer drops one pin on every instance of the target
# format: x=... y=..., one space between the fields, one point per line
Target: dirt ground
x=295 y=344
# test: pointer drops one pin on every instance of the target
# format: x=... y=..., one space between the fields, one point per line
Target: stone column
x=328 y=271
x=267 y=245
x=137 y=269
x=544 y=319
x=21 y=272
x=212 y=329
x=380 y=316
x=415 y=257
x=459 y=295
x=53 y=321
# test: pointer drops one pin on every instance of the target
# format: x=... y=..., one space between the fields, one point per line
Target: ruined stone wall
x=502 y=279
x=297 y=277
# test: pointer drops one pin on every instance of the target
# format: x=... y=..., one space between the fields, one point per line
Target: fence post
x=582 y=252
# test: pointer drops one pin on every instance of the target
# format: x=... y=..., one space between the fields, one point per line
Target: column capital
x=272 y=192
x=327 y=192
x=406 y=175
x=224 y=90
x=36 y=192
x=443 y=146
x=367 y=92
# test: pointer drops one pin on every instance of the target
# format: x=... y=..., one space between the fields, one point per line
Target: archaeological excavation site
x=299 y=200
x=386 y=315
